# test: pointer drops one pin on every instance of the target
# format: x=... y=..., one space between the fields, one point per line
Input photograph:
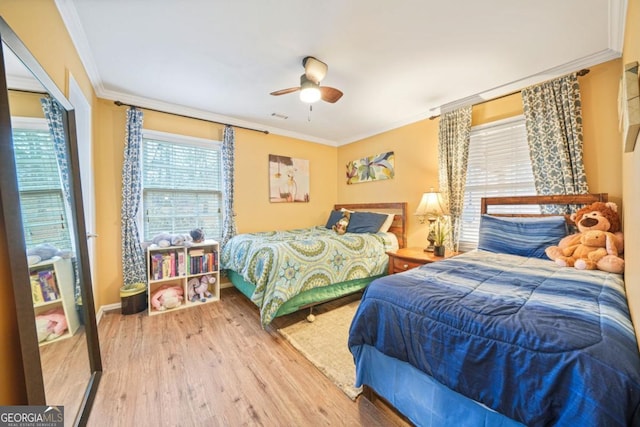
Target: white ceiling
x=397 y=62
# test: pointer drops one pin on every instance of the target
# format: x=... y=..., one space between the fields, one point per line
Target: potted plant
x=441 y=230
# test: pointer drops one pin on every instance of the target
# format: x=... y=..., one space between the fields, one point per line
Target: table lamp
x=430 y=208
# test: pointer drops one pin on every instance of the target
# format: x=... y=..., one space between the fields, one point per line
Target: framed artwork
x=288 y=179
x=629 y=106
x=372 y=168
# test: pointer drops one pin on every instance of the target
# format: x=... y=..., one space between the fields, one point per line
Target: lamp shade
x=431 y=206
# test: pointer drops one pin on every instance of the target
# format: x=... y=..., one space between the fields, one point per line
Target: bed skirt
x=306 y=298
x=420 y=398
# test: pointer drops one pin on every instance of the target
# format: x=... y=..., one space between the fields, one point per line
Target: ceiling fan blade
x=330 y=94
x=314 y=69
x=285 y=91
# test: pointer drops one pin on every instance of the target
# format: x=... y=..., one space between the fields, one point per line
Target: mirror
x=41 y=199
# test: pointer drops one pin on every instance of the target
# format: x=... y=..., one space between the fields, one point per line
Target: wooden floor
x=65 y=372
x=215 y=366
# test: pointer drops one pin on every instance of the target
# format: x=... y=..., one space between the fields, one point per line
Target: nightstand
x=407 y=258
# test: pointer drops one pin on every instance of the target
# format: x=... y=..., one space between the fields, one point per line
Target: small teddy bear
x=598 y=244
x=340 y=227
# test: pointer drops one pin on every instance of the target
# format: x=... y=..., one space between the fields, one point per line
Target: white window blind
x=499 y=165
x=44 y=215
x=182 y=189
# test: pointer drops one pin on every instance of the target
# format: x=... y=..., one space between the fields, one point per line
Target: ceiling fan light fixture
x=309 y=91
x=310 y=95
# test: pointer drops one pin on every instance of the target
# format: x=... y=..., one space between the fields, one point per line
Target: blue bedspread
x=542 y=344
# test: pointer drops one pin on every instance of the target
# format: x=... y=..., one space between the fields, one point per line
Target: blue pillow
x=524 y=236
x=334 y=217
x=365 y=222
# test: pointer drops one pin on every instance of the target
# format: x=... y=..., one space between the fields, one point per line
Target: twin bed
x=498 y=336
x=501 y=336
x=285 y=271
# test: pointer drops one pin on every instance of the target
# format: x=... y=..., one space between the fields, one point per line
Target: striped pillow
x=525 y=236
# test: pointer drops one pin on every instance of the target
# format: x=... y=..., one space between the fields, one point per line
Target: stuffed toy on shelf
x=164 y=240
x=167 y=297
x=51 y=324
x=199 y=288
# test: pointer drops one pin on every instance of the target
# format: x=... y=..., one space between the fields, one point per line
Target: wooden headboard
x=569 y=199
x=579 y=199
x=399 y=226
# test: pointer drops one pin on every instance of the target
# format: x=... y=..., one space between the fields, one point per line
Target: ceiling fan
x=310 y=89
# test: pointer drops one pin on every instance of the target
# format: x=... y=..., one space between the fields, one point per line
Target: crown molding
x=395 y=125
x=617 y=21
x=24 y=83
x=169 y=108
x=71 y=20
x=516 y=85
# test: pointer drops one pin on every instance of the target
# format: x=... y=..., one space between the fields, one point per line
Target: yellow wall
x=631 y=174
x=416 y=148
x=39 y=26
x=602 y=157
x=254 y=211
x=22 y=104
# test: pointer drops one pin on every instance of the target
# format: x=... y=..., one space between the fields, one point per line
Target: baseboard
x=117 y=306
x=105 y=308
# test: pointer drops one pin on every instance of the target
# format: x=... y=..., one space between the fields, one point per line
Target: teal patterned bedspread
x=284 y=263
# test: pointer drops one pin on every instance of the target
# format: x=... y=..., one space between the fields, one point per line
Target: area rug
x=324 y=343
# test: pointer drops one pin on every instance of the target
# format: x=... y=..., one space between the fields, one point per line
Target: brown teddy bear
x=598 y=244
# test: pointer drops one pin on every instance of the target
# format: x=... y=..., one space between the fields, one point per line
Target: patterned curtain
x=553 y=114
x=453 y=154
x=53 y=113
x=228 y=162
x=133 y=262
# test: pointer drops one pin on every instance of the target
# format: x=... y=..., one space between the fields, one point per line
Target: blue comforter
x=542 y=344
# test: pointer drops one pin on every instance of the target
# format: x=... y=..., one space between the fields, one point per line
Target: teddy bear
x=199 y=288
x=167 y=297
x=50 y=325
x=598 y=244
x=340 y=226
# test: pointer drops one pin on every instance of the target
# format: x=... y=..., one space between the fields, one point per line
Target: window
x=44 y=213
x=181 y=185
x=499 y=165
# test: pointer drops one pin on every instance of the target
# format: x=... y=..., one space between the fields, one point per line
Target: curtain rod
x=580 y=73
x=119 y=104
x=33 y=92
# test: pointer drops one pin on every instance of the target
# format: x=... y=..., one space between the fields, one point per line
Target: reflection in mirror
x=55 y=308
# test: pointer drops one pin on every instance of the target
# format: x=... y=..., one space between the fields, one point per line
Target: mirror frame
x=10 y=204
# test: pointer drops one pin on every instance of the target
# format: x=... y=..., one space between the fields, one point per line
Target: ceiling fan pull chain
x=310 y=110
